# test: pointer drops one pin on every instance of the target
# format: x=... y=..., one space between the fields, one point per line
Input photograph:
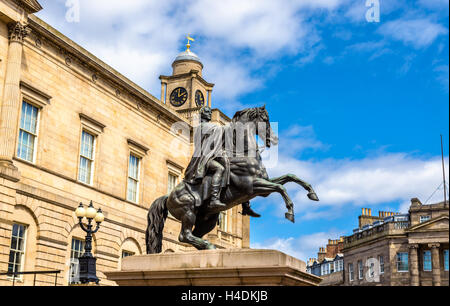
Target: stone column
x=209 y=98
x=163 y=92
x=11 y=96
x=414 y=264
x=436 y=263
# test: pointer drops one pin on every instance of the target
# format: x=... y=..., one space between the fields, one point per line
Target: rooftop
x=187 y=55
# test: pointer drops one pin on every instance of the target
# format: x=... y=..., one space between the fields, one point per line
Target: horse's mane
x=252 y=114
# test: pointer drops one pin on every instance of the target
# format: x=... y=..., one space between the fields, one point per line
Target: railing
x=386 y=228
x=15 y=274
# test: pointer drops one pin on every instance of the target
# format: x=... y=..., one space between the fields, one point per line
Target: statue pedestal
x=235 y=267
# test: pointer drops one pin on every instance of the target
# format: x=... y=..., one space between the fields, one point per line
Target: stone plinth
x=236 y=267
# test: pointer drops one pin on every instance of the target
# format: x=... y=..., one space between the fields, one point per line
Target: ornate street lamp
x=87 y=261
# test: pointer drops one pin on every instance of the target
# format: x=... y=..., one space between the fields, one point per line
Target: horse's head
x=260 y=118
x=269 y=136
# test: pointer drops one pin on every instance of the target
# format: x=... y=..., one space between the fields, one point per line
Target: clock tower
x=185 y=90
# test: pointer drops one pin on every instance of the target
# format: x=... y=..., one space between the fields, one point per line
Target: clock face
x=178 y=97
x=199 y=99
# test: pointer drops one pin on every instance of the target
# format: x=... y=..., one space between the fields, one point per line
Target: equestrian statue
x=225 y=170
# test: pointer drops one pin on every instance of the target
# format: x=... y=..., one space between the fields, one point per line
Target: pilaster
x=414 y=264
x=11 y=97
x=436 y=263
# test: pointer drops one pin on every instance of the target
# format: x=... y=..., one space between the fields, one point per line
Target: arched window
x=129 y=247
x=22 y=251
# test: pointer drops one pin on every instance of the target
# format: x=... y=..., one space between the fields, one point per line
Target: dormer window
x=424 y=218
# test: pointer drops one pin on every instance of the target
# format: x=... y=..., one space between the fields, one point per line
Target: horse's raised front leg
x=265 y=187
x=187 y=236
x=292 y=178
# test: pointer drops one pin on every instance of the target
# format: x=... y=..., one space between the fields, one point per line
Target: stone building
x=72 y=129
x=394 y=249
x=329 y=264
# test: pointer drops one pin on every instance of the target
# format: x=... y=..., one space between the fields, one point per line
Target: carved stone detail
x=17 y=32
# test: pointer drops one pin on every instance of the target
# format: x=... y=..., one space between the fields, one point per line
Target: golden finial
x=189 y=38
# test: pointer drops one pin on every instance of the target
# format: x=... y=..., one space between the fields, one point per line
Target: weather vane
x=189 y=38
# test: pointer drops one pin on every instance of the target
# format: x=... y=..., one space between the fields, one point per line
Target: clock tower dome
x=185 y=90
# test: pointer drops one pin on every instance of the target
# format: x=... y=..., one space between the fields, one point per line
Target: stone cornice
x=421 y=227
x=185 y=76
x=31 y=6
x=99 y=68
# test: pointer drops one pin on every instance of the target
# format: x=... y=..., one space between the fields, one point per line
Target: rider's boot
x=215 y=198
x=248 y=211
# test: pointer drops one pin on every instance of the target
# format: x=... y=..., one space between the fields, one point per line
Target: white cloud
x=302 y=247
x=371 y=181
x=419 y=33
x=234 y=38
x=442 y=76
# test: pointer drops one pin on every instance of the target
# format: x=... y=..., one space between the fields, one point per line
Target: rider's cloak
x=208 y=144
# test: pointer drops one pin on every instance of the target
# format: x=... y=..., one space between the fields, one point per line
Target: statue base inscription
x=234 y=267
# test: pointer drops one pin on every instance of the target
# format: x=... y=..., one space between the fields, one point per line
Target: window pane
x=381 y=260
x=85 y=170
x=25 y=148
x=17 y=248
x=86 y=158
x=172 y=182
x=427 y=261
x=402 y=262
x=28 y=120
x=132 y=190
x=133 y=178
x=87 y=145
x=350 y=268
x=133 y=169
x=424 y=218
x=76 y=252
x=446 y=260
x=126 y=254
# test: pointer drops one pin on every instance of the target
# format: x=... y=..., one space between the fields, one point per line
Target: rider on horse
x=210 y=156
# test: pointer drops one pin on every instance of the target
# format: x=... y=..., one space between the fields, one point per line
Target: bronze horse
x=248 y=179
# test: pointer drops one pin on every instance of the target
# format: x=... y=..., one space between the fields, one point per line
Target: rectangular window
x=402 y=262
x=381 y=261
x=17 y=249
x=133 y=179
x=223 y=222
x=172 y=182
x=76 y=251
x=360 y=270
x=27 y=132
x=340 y=265
x=331 y=267
x=446 y=260
x=86 y=158
x=371 y=267
x=127 y=254
x=351 y=276
x=427 y=261
x=424 y=218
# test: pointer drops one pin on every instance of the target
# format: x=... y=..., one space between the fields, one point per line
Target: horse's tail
x=156 y=218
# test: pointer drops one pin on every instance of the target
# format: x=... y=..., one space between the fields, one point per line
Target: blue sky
x=359 y=105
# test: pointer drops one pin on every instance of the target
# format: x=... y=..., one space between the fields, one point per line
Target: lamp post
x=87 y=261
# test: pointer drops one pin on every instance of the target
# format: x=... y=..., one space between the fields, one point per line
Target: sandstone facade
x=73 y=92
